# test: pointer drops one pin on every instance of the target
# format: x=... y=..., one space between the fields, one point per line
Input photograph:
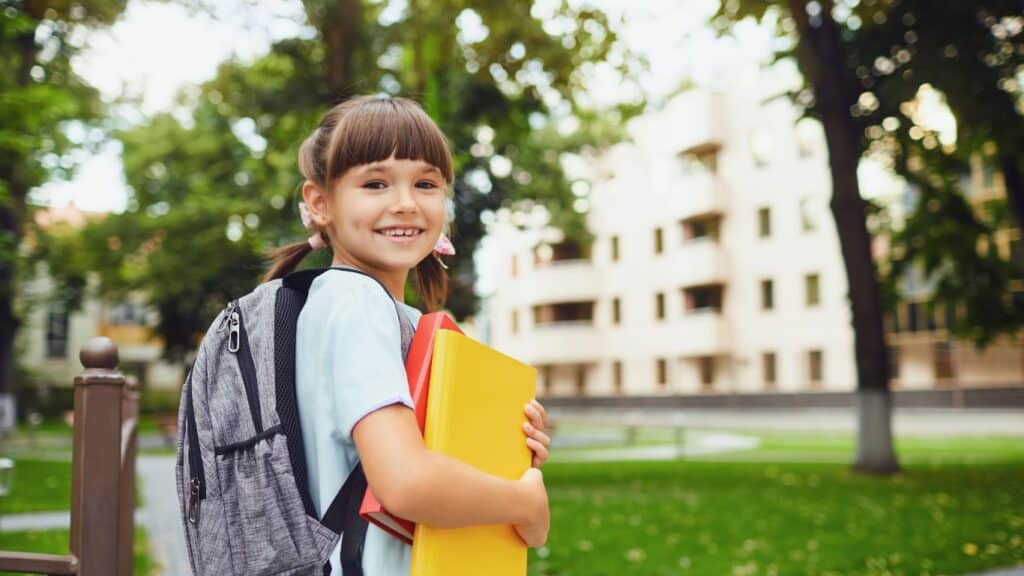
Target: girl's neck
x=393 y=280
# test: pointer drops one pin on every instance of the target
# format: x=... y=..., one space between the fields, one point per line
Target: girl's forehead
x=393 y=164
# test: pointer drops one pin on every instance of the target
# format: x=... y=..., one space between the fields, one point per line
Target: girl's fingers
x=537 y=415
x=543 y=414
x=540 y=452
x=536 y=434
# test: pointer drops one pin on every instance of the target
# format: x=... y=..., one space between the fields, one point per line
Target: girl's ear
x=316 y=202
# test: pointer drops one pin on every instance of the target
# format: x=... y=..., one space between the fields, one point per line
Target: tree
x=39 y=95
x=969 y=56
x=848 y=54
x=211 y=195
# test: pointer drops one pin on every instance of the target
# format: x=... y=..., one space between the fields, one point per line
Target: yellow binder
x=475 y=413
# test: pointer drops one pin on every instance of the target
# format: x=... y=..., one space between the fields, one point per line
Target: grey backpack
x=241 y=469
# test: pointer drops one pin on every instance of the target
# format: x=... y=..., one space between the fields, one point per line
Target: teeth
x=404 y=232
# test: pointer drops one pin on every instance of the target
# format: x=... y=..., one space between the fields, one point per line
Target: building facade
x=715 y=268
x=51 y=335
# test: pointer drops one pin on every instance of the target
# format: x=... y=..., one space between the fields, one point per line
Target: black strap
x=342 y=517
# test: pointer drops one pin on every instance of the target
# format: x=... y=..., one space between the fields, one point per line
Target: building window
x=808 y=221
x=942 y=359
x=764 y=222
x=913 y=314
x=814 y=367
x=705 y=228
x=767 y=295
x=515 y=265
x=127 y=314
x=615 y=248
x=617 y=376
x=894 y=363
x=616 y=311
x=659 y=244
x=702 y=158
x=57 y=330
x=703 y=298
x=662 y=372
x=581 y=379
x=768 y=370
x=563 y=313
x=549 y=374
x=706 y=364
x=807 y=133
x=515 y=321
x=812 y=289
x=761 y=146
x=569 y=249
x=659 y=306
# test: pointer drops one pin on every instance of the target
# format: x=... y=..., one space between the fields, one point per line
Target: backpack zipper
x=195 y=460
x=238 y=343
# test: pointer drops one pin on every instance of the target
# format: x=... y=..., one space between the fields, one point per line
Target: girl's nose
x=406 y=201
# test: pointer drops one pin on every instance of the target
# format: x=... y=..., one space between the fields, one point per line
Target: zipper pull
x=227 y=314
x=193 y=503
x=235 y=334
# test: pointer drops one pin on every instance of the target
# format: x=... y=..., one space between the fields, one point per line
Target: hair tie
x=316 y=241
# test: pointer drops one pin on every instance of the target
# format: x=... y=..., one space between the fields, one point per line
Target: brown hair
x=362 y=130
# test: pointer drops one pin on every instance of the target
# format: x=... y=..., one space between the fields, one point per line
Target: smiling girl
x=378 y=176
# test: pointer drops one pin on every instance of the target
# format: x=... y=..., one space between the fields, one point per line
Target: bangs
x=377 y=128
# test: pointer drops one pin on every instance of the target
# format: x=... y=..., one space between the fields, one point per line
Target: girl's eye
x=427 y=184
x=375 y=185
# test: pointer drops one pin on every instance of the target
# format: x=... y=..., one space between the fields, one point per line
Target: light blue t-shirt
x=348 y=363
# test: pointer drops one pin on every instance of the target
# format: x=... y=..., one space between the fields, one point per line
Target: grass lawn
x=39 y=485
x=744 y=518
x=56 y=542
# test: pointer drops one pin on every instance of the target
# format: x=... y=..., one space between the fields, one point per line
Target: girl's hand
x=536 y=438
x=534 y=532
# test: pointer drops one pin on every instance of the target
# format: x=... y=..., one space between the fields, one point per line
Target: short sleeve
x=364 y=351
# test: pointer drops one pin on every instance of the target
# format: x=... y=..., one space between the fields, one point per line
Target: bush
x=159 y=400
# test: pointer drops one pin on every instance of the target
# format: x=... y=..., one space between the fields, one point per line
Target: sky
x=157 y=49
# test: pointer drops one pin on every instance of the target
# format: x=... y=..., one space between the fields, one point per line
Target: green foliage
x=970 y=53
x=211 y=196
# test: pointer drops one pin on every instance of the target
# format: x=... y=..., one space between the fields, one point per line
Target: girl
x=378 y=175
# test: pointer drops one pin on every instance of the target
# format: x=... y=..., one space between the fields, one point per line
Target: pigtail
x=431 y=282
x=286 y=259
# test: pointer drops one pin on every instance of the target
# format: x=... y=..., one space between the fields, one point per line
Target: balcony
x=559 y=280
x=702 y=261
x=704 y=114
x=703 y=333
x=697 y=195
x=558 y=342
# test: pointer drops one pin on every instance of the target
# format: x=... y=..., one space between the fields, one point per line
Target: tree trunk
x=1014 y=187
x=824 y=64
x=12 y=213
x=340 y=27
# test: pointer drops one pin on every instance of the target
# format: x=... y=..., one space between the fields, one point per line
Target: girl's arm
x=428 y=487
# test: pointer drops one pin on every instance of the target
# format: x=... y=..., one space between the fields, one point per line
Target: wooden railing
x=102 y=474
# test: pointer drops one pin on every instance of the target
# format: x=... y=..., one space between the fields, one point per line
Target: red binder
x=417 y=368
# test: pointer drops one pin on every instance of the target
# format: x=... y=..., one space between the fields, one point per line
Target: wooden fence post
x=96 y=460
x=129 y=449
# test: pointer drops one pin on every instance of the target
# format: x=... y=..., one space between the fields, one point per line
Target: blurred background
x=765 y=255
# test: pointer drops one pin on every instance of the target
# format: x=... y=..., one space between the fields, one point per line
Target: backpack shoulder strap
x=342 y=515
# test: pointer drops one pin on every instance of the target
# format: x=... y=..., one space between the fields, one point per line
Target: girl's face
x=386 y=216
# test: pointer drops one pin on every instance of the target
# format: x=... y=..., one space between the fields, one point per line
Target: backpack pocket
x=267 y=527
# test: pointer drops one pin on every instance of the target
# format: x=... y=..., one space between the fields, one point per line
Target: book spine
x=440 y=394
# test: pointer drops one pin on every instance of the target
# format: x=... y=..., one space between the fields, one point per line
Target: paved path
x=905 y=421
x=162 y=516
